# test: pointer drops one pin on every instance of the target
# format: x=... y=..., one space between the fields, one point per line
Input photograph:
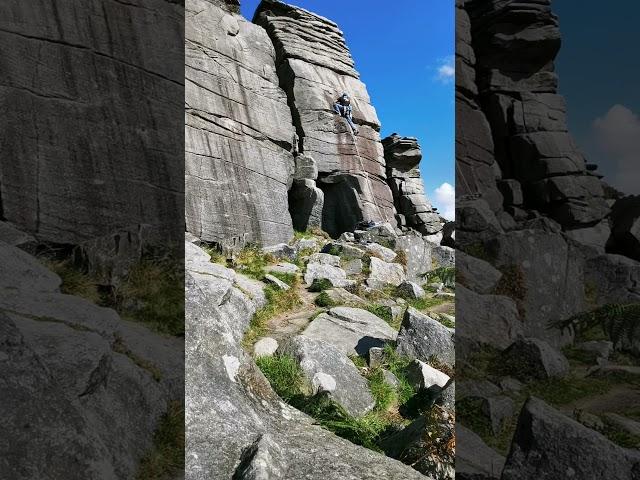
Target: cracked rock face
x=315 y=68
x=239 y=135
x=106 y=125
x=236 y=426
x=73 y=380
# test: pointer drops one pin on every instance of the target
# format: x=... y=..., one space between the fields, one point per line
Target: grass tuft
x=284 y=375
x=166 y=457
x=251 y=261
x=278 y=301
x=324 y=301
x=74 y=281
x=320 y=285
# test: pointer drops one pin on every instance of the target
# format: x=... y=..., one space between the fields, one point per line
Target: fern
x=447 y=275
x=615 y=320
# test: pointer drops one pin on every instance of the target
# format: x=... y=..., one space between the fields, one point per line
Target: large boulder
x=352 y=330
x=231 y=409
x=421 y=337
x=547 y=444
x=328 y=370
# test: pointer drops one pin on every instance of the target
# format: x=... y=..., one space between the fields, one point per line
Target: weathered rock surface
x=402 y=155
x=487 y=319
x=410 y=290
x=239 y=135
x=382 y=273
x=343 y=297
x=422 y=375
x=319 y=271
x=112 y=136
x=476 y=274
x=90 y=386
x=349 y=389
x=421 y=337
x=531 y=358
x=563 y=448
x=625 y=216
x=354 y=331
x=315 y=67
x=232 y=410
x=475 y=460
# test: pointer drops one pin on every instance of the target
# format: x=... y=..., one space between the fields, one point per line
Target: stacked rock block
x=315 y=67
x=239 y=132
x=402 y=156
x=515 y=45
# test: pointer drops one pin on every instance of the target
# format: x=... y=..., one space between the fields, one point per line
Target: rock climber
x=343 y=108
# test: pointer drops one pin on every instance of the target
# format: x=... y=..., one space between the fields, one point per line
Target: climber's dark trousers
x=345 y=112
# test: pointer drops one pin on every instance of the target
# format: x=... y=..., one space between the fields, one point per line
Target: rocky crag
x=541 y=239
x=266 y=154
x=350 y=305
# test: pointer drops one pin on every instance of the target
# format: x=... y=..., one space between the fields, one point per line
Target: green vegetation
x=74 y=281
x=324 y=301
x=251 y=261
x=334 y=250
x=215 y=253
x=285 y=376
x=278 y=301
x=401 y=257
x=562 y=391
x=470 y=413
x=383 y=312
x=290 y=279
x=446 y=275
x=166 y=457
x=425 y=303
x=620 y=437
x=320 y=285
x=298 y=235
x=616 y=321
x=153 y=293
x=287 y=379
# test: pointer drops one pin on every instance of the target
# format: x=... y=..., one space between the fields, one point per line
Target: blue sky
x=405 y=57
x=599 y=67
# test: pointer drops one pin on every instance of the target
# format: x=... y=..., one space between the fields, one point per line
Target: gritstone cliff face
x=106 y=136
x=264 y=150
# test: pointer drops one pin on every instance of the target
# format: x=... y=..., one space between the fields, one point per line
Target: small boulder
x=390 y=379
x=353 y=267
x=284 y=267
x=281 y=251
x=475 y=460
x=423 y=375
x=340 y=296
x=329 y=370
x=317 y=271
x=410 y=290
x=382 y=274
x=532 y=358
x=381 y=252
x=352 y=330
x=347 y=237
x=421 y=337
x=275 y=281
x=306 y=244
x=325 y=259
x=265 y=347
x=376 y=356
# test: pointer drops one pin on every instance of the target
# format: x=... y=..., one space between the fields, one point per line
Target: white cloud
x=446 y=70
x=445 y=200
x=617 y=134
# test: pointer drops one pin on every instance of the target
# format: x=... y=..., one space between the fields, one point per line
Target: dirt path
x=288 y=324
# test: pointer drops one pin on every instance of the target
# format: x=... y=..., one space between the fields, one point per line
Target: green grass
x=74 y=281
x=383 y=312
x=290 y=279
x=619 y=436
x=298 y=235
x=166 y=457
x=153 y=293
x=384 y=394
x=358 y=361
x=215 y=253
x=446 y=275
x=287 y=379
x=397 y=365
x=577 y=356
x=323 y=300
x=278 y=301
x=284 y=375
x=469 y=412
x=423 y=304
x=251 y=261
x=562 y=391
x=320 y=285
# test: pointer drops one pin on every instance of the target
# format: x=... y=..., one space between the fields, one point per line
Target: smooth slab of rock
x=410 y=290
x=532 y=358
x=423 y=375
x=352 y=330
x=318 y=271
x=265 y=347
x=341 y=296
x=284 y=267
x=13 y=236
x=330 y=370
x=21 y=271
x=382 y=274
x=421 y=337
x=563 y=448
x=270 y=279
x=383 y=253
